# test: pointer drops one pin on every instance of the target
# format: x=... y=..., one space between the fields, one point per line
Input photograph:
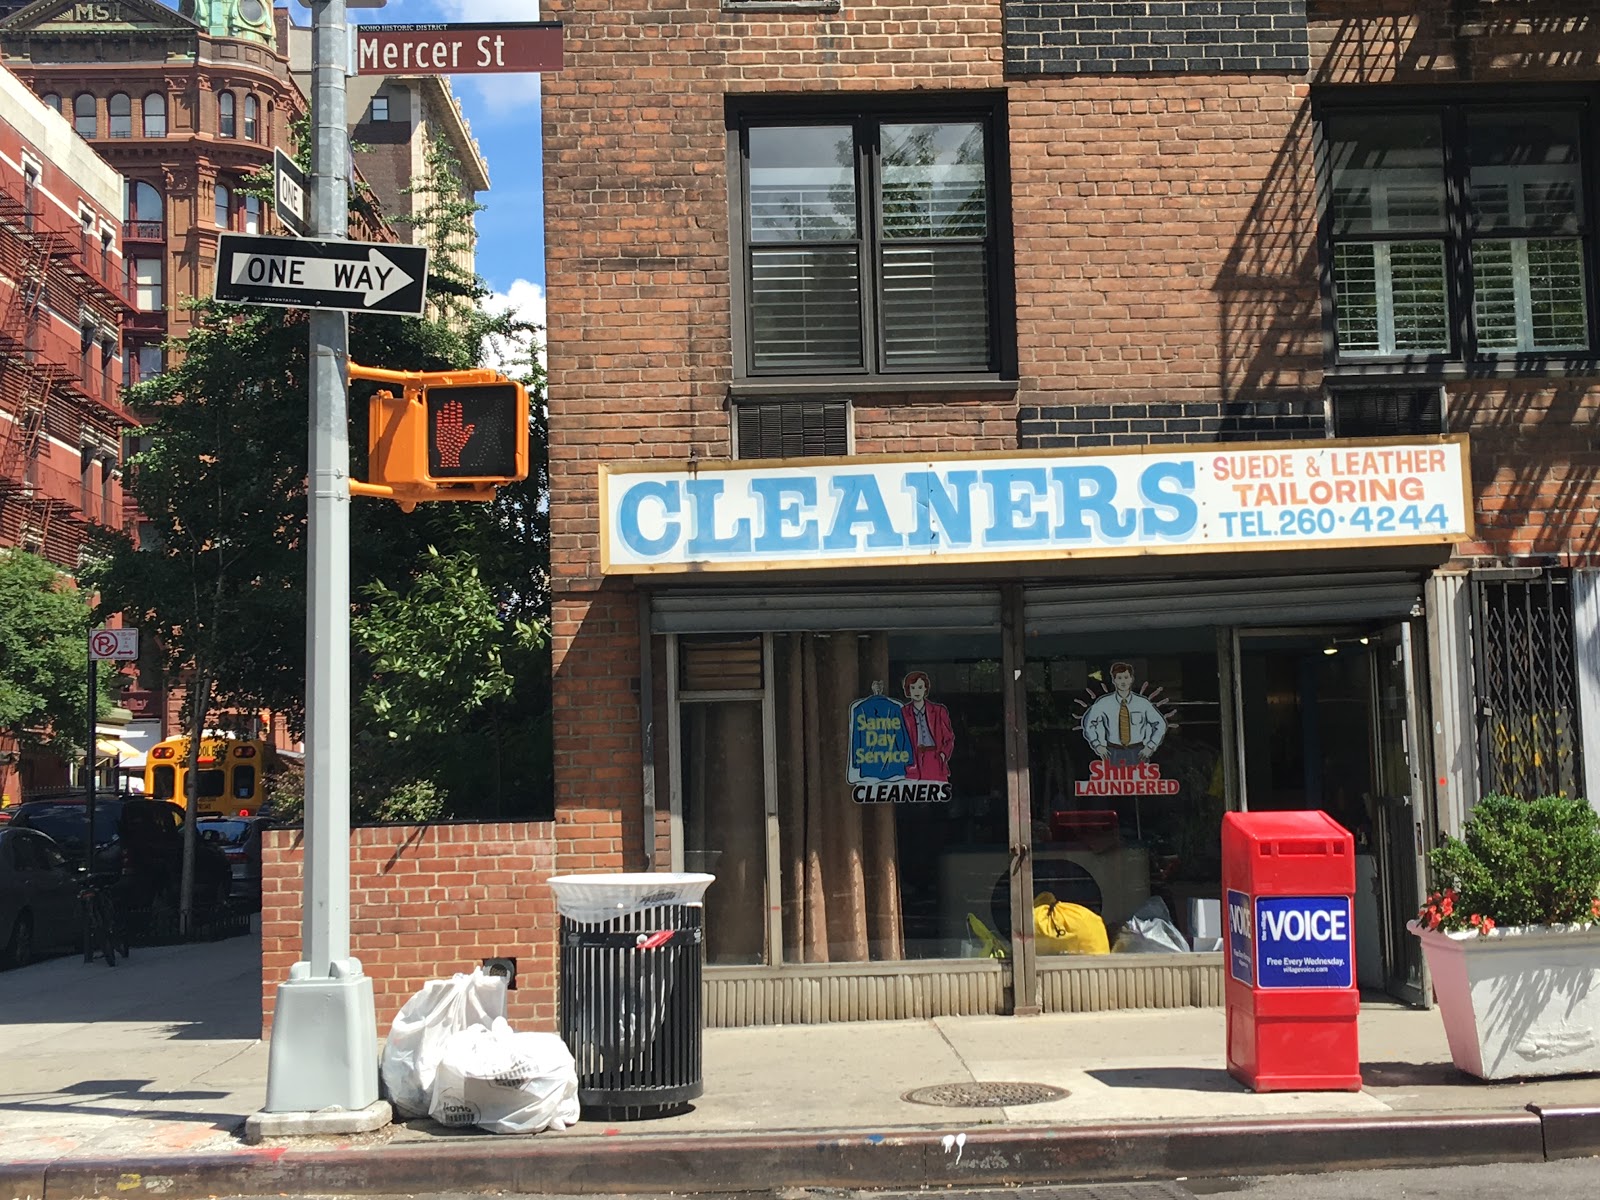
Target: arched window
x=53 y=99
x=252 y=214
x=222 y=199
x=84 y=117
x=144 y=202
x=251 y=111
x=155 y=115
x=225 y=122
x=120 y=111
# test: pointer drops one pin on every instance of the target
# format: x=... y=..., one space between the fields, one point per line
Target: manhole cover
x=985 y=1095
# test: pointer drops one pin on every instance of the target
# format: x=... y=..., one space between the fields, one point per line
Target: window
x=144 y=202
x=147 y=280
x=1458 y=231
x=380 y=108
x=222 y=202
x=119 y=110
x=85 y=119
x=872 y=243
x=85 y=484
x=108 y=509
x=252 y=214
x=30 y=195
x=251 y=113
x=151 y=361
x=53 y=99
x=155 y=115
x=225 y=119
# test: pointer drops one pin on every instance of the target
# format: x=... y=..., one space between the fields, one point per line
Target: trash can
x=630 y=988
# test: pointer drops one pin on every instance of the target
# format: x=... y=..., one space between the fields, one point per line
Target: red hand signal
x=450 y=435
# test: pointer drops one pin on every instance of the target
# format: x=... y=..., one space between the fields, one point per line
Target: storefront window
x=1125 y=757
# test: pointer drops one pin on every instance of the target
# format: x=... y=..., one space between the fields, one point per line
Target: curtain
x=840 y=867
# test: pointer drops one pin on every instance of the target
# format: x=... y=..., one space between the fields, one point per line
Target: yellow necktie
x=1124 y=725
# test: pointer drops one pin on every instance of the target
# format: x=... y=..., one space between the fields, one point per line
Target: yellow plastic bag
x=1063 y=928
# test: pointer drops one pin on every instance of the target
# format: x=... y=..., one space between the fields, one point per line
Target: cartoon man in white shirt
x=1123 y=727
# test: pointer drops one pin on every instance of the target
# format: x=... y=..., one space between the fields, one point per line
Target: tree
x=44 y=650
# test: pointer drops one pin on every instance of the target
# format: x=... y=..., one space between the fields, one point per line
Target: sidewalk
x=135 y=1080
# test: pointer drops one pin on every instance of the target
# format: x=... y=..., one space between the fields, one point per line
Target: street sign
x=290 y=186
x=290 y=273
x=502 y=48
x=113 y=645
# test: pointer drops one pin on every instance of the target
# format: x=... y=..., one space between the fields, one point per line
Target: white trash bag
x=505 y=1082
x=1150 y=931
x=417 y=1038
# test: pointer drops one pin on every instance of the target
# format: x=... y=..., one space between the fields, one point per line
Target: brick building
x=63 y=303
x=991 y=441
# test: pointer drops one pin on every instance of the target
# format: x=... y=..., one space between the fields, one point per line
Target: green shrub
x=1519 y=862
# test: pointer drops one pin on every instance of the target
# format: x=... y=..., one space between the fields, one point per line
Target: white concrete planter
x=1522 y=1001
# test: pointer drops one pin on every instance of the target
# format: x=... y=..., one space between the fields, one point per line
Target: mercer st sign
x=297 y=273
x=458 y=49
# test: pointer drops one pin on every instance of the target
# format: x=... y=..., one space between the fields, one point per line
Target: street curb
x=982 y=1157
x=1569 y=1132
x=22 y=1181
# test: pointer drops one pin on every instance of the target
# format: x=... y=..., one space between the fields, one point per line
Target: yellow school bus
x=232 y=774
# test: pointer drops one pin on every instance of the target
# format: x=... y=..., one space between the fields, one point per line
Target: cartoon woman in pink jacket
x=928 y=727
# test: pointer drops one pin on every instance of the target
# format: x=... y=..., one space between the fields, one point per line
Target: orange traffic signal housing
x=449 y=435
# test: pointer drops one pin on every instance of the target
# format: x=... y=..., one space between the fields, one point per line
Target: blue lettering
x=1008 y=506
x=1175 y=513
x=703 y=494
x=860 y=503
x=666 y=494
x=1086 y=490
x=781 y=510
x=952 y=508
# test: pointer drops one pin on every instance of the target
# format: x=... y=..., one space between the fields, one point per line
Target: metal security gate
x=1526 y=680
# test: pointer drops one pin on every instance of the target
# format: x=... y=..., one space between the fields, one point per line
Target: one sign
x=1304 y=942
x=1040 y=505
x=458 y=49
x=1241 y=959
x=113 y=645
x=290 y=188
x=290 y=273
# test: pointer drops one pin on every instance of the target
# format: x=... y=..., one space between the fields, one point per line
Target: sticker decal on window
x=900 y=750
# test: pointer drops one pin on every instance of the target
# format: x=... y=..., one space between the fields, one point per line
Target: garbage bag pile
x=452 y=1056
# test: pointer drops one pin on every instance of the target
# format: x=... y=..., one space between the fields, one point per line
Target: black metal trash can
x=631 y=1010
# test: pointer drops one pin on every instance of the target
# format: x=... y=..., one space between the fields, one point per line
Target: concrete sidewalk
x=148 y=1070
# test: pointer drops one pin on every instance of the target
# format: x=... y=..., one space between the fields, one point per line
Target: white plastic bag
x=1150 y=931
x=417 y=1038
x=505 y=1082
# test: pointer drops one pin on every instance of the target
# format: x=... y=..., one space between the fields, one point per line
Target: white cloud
x=502 y=95
x=525 y=300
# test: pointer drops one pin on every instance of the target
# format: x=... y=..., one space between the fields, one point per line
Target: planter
x=1522 y=1001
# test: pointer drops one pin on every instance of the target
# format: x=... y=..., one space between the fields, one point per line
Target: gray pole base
x=324 y=1049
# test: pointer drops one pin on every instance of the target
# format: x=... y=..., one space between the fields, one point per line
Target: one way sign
x=295 y=273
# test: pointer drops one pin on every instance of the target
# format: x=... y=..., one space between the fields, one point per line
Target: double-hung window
x=1458 y=230
x=871 y=243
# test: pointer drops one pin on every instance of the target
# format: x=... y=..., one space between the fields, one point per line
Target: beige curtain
x=840 y=870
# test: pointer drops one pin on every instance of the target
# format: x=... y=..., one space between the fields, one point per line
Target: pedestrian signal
x=450 y=435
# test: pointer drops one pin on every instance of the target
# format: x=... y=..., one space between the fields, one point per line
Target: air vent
x=793 y=429
x=1386 y=411
x=719 y=664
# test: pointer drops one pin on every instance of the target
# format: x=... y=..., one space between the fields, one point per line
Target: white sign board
x=902 y=510
x=113 y=645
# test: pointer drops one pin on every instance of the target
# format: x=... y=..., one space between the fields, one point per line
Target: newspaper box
x=1289 y=885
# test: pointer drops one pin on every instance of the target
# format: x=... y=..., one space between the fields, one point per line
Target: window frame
x=382 y=99
x=125 y=102
x=78 y=116
x=252 y=118
x=1451 y=107
x=153 y=115
x=866 y=114
x=227 y=115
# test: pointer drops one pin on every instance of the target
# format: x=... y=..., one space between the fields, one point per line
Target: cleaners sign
x=821 y=512
x=1293 y=942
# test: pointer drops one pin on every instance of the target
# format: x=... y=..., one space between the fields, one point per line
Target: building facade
x=991 y=441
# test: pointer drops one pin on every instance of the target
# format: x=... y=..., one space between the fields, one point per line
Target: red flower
x=1448 y=905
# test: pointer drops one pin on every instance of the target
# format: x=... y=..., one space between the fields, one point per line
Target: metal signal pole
x=324 y=1050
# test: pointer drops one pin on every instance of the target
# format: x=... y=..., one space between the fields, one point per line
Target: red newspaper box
x=1289 y=882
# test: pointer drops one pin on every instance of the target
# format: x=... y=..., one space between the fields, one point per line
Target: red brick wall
x=426 y=901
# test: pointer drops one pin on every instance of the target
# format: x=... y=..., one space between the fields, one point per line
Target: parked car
x=140 y=840
x=240 y=840
x=38 y=897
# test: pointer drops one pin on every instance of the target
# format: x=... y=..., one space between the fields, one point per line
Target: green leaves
x=1524 y=862
x=44 y=652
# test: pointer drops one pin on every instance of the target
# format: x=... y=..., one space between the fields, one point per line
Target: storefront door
x=1329 y=721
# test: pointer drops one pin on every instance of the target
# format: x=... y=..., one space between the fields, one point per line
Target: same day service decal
x=973 y=508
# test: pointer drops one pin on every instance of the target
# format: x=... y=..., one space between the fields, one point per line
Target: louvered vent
x=719 y=664
x=808 y=429
x=1387 y=412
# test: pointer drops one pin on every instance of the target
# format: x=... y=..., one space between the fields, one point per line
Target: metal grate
x=985 y=1095
x=1526 y=683
x=793 y=429
x=1386 y=411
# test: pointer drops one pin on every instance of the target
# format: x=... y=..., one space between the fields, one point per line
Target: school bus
x=232 y=774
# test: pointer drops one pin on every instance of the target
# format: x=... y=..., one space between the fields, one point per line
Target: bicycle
x=103 y=930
